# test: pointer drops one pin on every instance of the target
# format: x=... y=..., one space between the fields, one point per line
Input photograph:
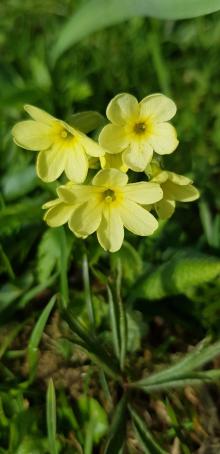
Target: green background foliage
x=174 y=275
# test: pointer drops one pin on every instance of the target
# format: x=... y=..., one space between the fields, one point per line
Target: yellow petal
x=143 y=192
x=51 y=163
x=50 y=204
x=178 y=179
x=110 y=233
x=91 y=147
x=137 y=156
x=79 y=193
x=39 y=115
x=76 y=165
x=163 y=139
x=113 y=161
x=113 y=138
x=136 y=219
x=86 y=218
x=159 y=107
x=165 y=208
x=179 y=193
x=160 y=177
x=110 y=178
x=32 y=135
x=58 y=214
x=122 y=108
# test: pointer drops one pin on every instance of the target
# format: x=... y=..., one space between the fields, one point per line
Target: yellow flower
x=61 y=147
x=113 y=161
x=138 y=129
x=176 y=188
x=106 y=206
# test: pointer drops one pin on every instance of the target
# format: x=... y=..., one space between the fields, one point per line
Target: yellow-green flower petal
x=163 y=139
x=122 y=108
x=136 y=219
x=159 y=107
x=110 y=178
x=40 y=115
x=143 y=192
x=79 y=193
x=86 y=218
x=113 y=138
x=137 y=156
x=178 y=179
x=32 y=136
x=179 y=193
x=51 y=163
x=110 y=233
x=113 y=161
x=76 y=165
x=58 y=214
x=160 y=177
x=91 y=147
x=165 y=208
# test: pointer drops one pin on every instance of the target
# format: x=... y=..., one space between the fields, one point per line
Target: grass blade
x=117 y=431
x=114 y=317
x=32 y=350
x=51 y=417
x=145 y=438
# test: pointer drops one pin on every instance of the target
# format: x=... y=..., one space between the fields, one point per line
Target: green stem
x=87 y=291
x=122 y=315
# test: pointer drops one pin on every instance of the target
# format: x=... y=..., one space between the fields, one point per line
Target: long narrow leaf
x=92 y=345
x=193 y=360
x=117 y=431
x=51 y=417
x=144 y=436
x=32 y=350
x=111 y=12
x=114 y=317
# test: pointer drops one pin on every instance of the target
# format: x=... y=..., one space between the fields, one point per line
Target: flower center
x=66 y=134
x=140 y=128
x=109 y=195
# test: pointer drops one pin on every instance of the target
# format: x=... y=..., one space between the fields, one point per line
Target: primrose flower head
x=61 y=147
x=176 y=188
x=138 y=129
x=107 y=206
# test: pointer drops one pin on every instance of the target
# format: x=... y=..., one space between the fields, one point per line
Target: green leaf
x=19 y=183
x=51 y=417
x=93 y=346
x=6 y=265
x=91 y=410
x=114 y=321
x=117 y=430
x=84 y=21
x=178 y=275
x=32 y=350
x=182 y=372
x=145 y=438
x=48 y=255
x=87 y=121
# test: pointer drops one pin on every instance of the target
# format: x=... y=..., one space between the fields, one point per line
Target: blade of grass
x=93 y=347
x=32 y=349
x=87 y=292
x=117 y=430
x=114 y=317
x=51 y=417
x=122 y=317
x=145 y=438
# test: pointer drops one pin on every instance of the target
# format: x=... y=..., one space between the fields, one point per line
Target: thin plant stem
x=87 y=291
x=122 y=315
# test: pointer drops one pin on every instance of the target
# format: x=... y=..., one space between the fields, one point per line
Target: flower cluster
x=107 y=202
